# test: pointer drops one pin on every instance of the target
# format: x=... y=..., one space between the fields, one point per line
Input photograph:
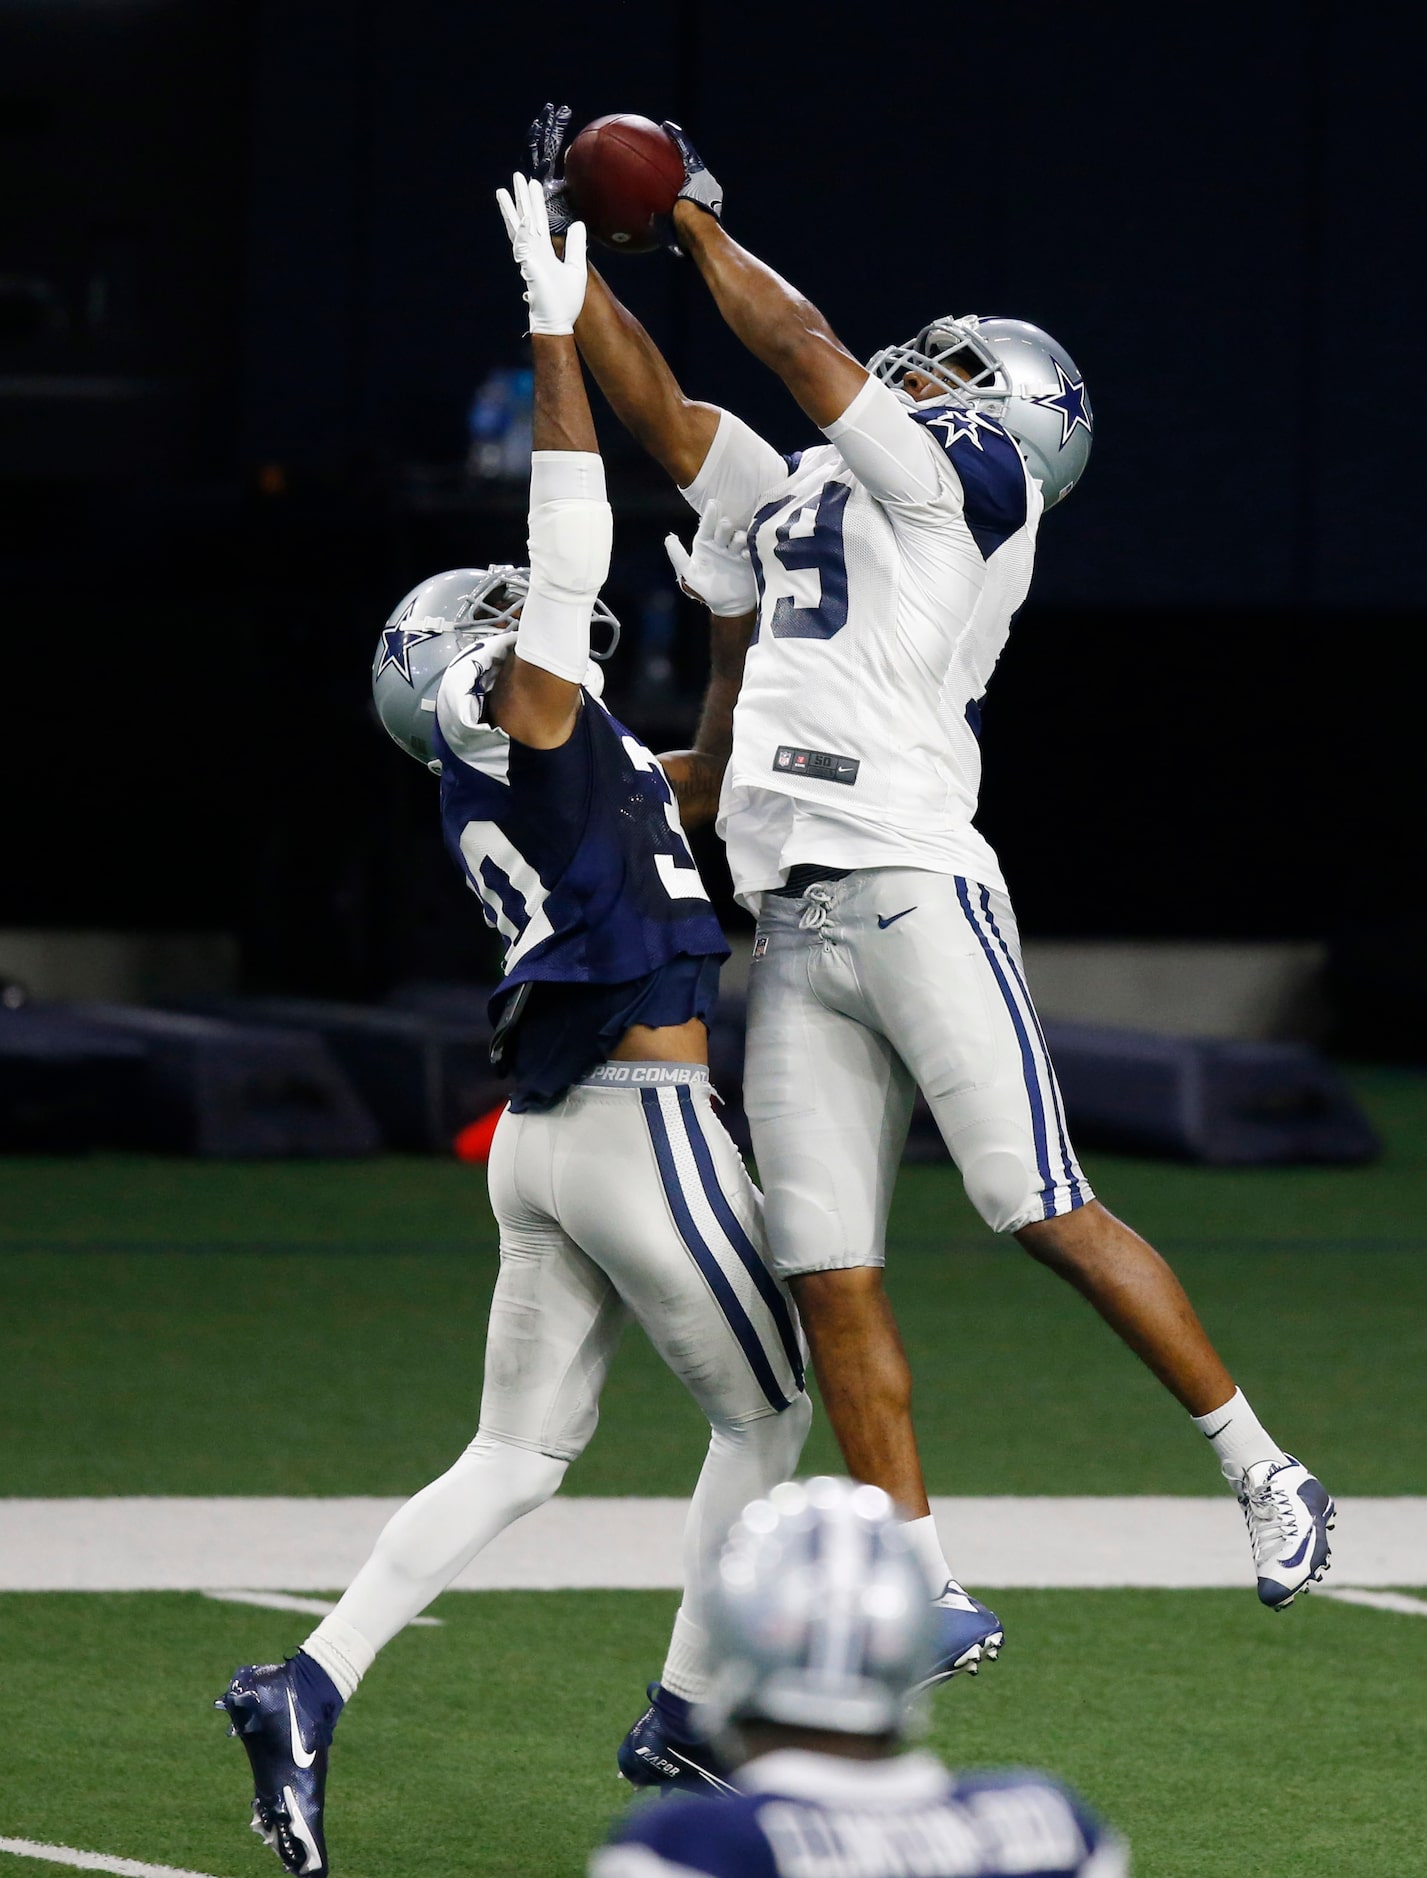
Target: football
x=622 y=172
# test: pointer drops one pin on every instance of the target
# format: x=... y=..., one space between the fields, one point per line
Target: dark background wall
x=251 y=273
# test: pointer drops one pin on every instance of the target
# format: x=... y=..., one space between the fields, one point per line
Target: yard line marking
x=285 y=1601
x=316 y=1546
x=1376 y=1600
x=94 y=1861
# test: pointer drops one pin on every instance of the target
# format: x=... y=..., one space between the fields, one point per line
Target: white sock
x=921 y=1535
x=686 y=1667
x=342 y=1651
x=424 y=1545
x=1238 y=1437
x=744 y=1462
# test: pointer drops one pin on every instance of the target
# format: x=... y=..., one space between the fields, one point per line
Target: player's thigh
x=951 y=991
x=828 y=1103
x=656 y=1193
x=555 y=1318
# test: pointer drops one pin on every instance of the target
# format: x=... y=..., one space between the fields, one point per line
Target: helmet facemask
x=445 y=619
x=1012 y=372
x=953 y=354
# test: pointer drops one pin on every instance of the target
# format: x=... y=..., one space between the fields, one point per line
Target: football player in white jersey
x=891 y=558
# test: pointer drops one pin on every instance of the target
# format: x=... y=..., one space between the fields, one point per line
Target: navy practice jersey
x=576 y=855
x=802 y=1815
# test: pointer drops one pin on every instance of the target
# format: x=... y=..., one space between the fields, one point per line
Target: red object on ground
x=623 y=172
x=474 y=1141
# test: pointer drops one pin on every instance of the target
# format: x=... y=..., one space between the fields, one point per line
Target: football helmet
x=819 y=1614
x=1015 y=373
x=436 y=623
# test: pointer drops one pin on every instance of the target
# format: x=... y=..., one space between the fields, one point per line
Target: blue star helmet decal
x=958 y=421
x=397 y=642
x=1071 y=402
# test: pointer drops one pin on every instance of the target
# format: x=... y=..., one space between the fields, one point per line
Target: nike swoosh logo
x=1212 y=1434
x=300 y=1754
x=885 y=923
x=1297 y=1558
x=702 y=1772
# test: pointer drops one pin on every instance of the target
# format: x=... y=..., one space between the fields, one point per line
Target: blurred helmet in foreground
x=436 y=623
x=819 y=1613
x=1015 y=373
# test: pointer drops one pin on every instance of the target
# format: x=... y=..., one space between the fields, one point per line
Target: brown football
x=622 y=172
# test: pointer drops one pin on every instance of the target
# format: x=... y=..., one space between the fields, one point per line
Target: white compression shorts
x=902 y=979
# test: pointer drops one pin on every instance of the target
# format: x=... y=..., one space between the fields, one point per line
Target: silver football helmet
x=1015 y=373
x=819 y=1613
x=437 y=622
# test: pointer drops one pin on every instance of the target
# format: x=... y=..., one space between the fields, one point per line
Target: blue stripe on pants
x=727 y=1298
x=1070 y=1180
x=737 y=1237
x=1028 y=1064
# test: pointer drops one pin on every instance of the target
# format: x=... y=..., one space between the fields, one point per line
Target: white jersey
x=890 y=561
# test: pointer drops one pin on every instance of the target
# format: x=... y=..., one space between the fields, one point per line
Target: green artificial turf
x=329 y=1338
x=1227 y=1743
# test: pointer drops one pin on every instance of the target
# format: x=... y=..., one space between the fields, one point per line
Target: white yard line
x=316 y=1545
x=94 y=1861
x=1376 y=1600
x=284 y=1601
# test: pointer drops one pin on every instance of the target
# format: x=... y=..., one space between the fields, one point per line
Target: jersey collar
x=917 y=1779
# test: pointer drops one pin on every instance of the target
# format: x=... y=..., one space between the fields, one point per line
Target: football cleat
x=968 y=1634
x=664 y=1749
x=1289 y=1515
x=284 y=1718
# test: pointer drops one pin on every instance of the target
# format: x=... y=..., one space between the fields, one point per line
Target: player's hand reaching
x=554 y=288
x=700 y=186
x=718 y=571
x=547 y=141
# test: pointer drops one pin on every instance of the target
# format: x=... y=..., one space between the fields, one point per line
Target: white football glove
x=554 y=289
x=718 y=571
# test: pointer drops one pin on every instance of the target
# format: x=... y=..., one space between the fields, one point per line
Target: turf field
x=324 y=1337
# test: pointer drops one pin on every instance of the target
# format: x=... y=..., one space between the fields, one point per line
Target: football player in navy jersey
x=823 y=1639
x=615 y=1187
x=891 y=558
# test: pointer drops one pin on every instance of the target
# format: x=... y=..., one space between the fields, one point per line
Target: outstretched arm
x=536 y=699
x=642 y=391
x=627 y=366
x=776 y=323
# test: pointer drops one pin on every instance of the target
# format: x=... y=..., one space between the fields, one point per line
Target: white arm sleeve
x=571 y=531
x=735 y=473
x=888 y=452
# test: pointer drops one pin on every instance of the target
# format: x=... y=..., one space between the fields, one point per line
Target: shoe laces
x=1270 y=1513
x=819 y=901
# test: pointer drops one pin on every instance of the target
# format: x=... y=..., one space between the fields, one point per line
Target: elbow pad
x=571 y=532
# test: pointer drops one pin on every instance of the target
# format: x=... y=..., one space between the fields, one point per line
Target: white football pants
x=625 y=1199
x=861 y=992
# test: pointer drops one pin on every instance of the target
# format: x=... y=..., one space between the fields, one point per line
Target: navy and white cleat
x=664 y=1749
x=1289 y=1515
x=968 y=1635
x=284 y=1713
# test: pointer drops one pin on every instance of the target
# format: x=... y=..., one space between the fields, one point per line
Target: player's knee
x=526 y=1477
x=999 y=1186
